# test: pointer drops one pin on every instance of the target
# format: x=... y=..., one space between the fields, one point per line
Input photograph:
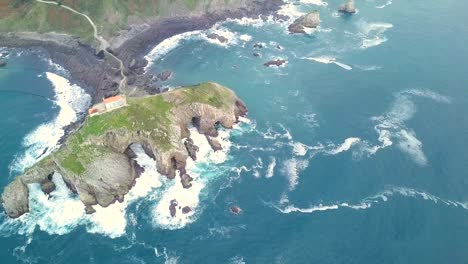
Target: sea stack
x=348 y=7
x=311 y=20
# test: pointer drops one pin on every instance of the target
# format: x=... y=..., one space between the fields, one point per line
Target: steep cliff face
x=96 y=161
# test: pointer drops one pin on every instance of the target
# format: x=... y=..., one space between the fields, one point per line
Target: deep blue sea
x=355 y=151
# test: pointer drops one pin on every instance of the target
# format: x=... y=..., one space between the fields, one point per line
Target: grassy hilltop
x=152 y=116
x=109 y=15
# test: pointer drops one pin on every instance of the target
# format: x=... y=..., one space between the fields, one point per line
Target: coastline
x=99 y=76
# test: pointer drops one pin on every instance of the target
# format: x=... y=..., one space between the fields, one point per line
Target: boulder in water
x=3 y=63
x=348 y=7
x=186 y=181
x=277 y=63
x=311 y=20
x=236 y=209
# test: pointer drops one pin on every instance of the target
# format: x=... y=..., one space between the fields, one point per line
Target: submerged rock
x=165 y=75
x=236 y=209
x=348 y=7
x=277 y=63
x=258 y=45
x=311 y=20
x=3 y=63
x=220 y=38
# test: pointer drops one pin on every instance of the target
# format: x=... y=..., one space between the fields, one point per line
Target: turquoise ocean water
x=353 y=152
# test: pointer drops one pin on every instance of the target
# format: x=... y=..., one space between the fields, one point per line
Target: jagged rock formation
x=310 y=20
x=97 y=163
x=348 y=7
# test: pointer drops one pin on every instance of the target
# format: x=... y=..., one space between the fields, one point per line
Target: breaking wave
x=166 y=46
x=62 y=211
x=391 y=126
x=372 y=34
x=285 y=207
x=72 y=102
x=330 y=60
x=389 y=2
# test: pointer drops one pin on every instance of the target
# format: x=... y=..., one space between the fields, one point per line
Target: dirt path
x=103 y=44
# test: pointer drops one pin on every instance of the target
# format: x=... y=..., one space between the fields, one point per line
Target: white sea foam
x=389 y=2
x=245 y=37
x=168 y=45
x=62 y=211
x=329 y=60
x=347 y=144
x=72 y=101
x=285 y=207
x=372 y=34
x=271 y=167
x=291 y=10
x=391 y=126
x=369 y=67
x=314 y=2
x=292 y=168
x=198 y=171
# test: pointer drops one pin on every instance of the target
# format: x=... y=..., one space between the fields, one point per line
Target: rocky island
x=310 y=20
x=96 y=161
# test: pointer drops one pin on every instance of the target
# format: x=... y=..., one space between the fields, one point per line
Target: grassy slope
x=109 y=15
x=150 y=115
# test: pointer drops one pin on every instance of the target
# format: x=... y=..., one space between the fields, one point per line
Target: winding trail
x=103 y=44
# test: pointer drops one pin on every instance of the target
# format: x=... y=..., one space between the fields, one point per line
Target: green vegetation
x=151 y=116
x=109 y=15
x=204 y=93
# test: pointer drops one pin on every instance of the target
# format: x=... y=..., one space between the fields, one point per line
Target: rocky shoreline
x=100 y=76
x=97 y=161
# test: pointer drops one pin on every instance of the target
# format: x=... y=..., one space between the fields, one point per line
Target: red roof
x=92 y=111
x=113 y=99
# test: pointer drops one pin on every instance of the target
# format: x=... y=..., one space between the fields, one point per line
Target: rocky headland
x=97 y=162
x=310 y=20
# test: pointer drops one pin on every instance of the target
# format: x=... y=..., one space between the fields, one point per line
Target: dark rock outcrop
x=215 y=145
x=236 y=209
x=165 y=75
x=258 y=45
x=192 y=149
x=47 y=186
x=348 y=7
x=311 y=20
x=3 y=63
x=277 y=63
x=215 y=36
x=186 y=210
x=186 y=181
x=173 y=207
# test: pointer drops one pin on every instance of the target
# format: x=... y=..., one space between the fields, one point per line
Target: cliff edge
x=96 y=162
